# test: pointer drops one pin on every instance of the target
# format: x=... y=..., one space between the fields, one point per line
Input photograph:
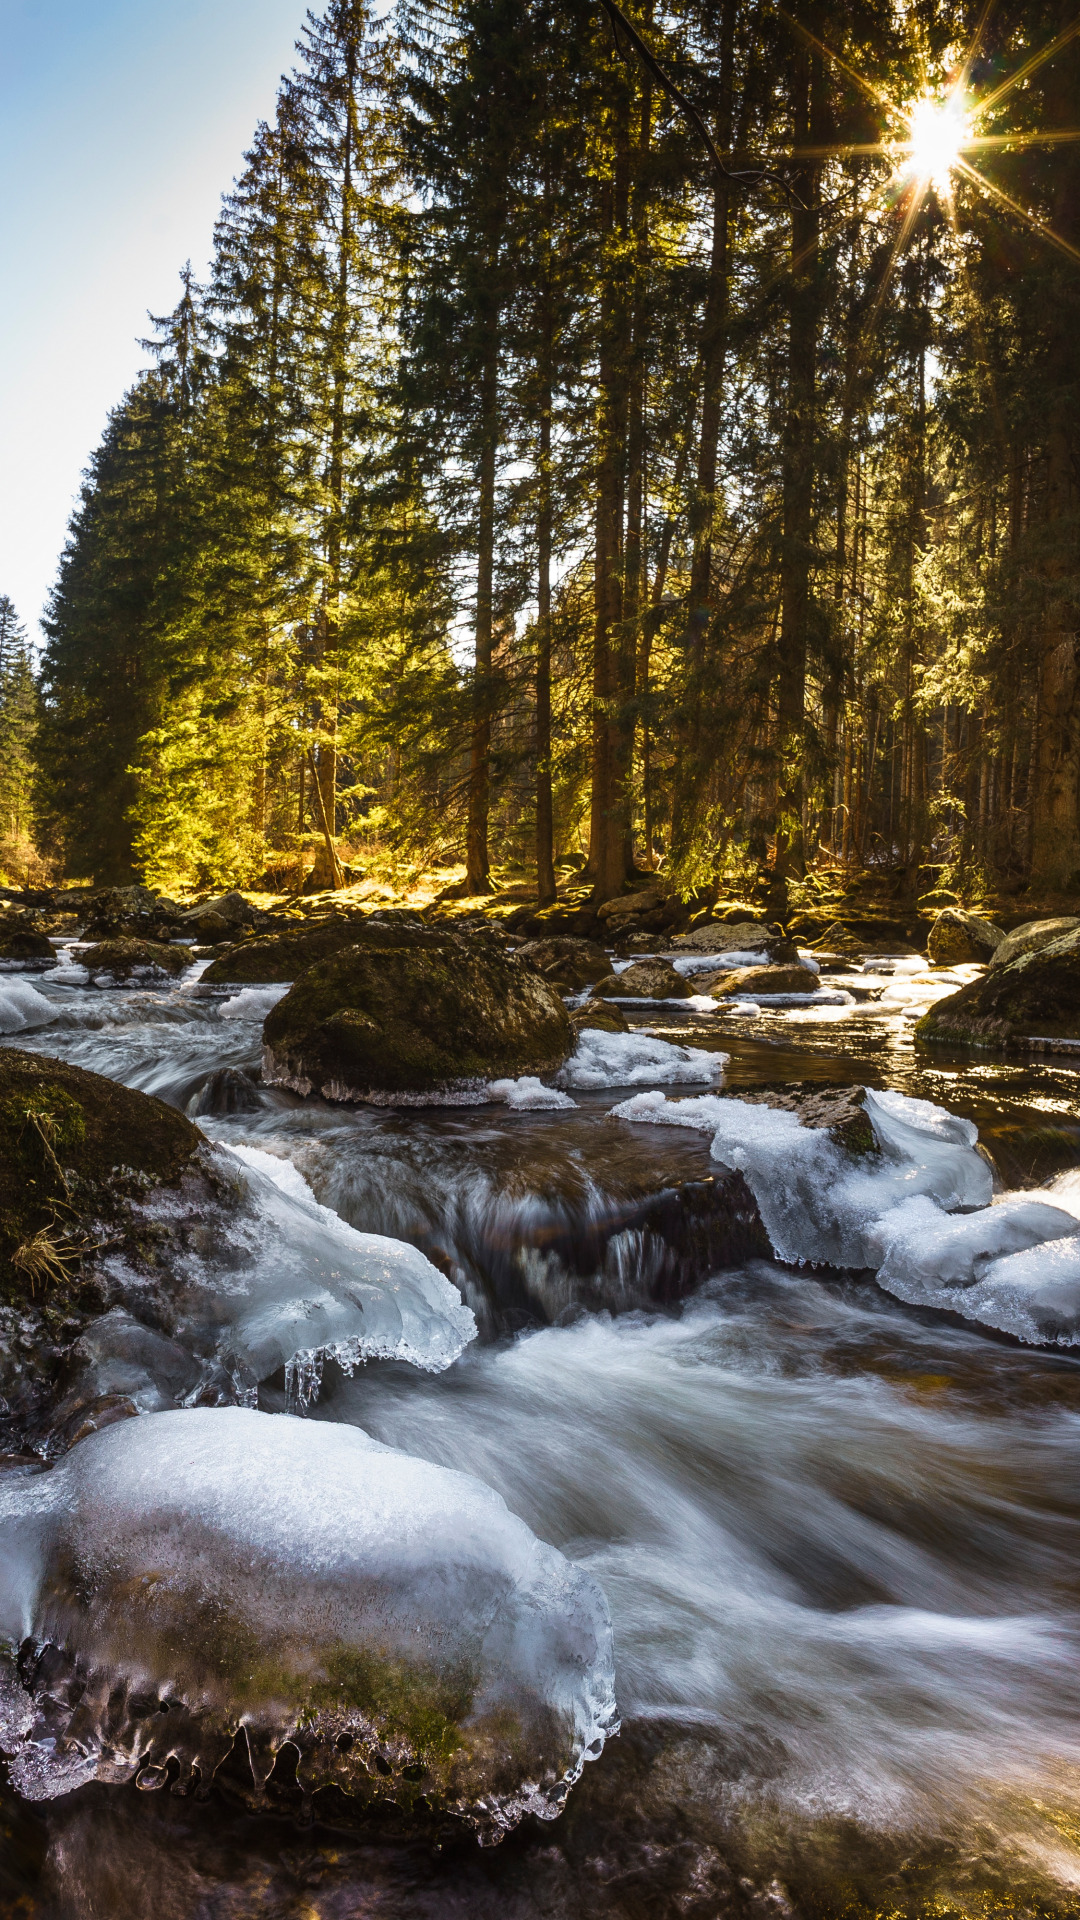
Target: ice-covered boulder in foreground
x=185 y=1575
x=918 y=1210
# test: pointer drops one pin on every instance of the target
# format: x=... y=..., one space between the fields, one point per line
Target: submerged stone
x=401 y=1021
x=182 y=1576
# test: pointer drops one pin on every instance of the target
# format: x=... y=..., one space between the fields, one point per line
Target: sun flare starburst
x=939 y=130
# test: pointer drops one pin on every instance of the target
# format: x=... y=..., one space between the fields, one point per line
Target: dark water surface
x=839 y=1537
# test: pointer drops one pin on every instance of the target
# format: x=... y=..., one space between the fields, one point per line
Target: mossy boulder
x=651 y=979
x=1035 y=996
x=958 y=937
x=1029 y=938
x=79 y=1158
x=602 y=1015
x=568 y=963
x=284 y=954
x=25 y=945
x=759 y=981
x=122 y=958
x=420 y=1017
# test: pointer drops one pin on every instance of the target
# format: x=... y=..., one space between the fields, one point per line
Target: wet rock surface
x=424 y=1015
x=285 y=953
x=759 y=980
x=1035 y=996
x=1030 y=937
x=568 y=963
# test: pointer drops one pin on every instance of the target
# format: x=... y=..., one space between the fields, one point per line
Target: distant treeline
x=523 y=482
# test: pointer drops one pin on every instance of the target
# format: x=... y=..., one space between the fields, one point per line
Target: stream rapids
x=839 y=1536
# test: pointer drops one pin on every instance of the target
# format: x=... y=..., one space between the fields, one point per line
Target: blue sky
x=120 y=127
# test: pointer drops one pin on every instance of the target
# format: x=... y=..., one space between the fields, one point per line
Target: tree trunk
x=545 y=837
x=477 y=862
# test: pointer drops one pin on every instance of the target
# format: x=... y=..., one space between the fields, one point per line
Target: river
x=838 y=1535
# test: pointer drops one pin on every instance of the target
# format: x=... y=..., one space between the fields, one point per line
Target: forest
x=603 y=442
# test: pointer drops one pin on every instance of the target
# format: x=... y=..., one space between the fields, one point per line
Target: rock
x=79 y=1156
x=608 y=1018
x=123 y=959
x=839 y=942
x=645 y=980
x=381 y=1020
x=25 y=944
x=135 y=913
x=575 y=916
x=569 y=964
x=839 y=1111
x=957 y=937
x=1037 y=995
x=648 y=910
x=759 y=981
x=286 y=954
x=1029 y=938
x=111 y=1200
x=193 y=1572
x=738 y=936
x=231 y=908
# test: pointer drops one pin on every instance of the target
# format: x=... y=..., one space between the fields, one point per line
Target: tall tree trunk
x=808 y=101
x=545 y=835
x=612 y=682
x=689 y=771
x=1055 y=852
x=477 y=862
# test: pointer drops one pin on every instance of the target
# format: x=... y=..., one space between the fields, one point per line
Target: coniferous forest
x=598 y=445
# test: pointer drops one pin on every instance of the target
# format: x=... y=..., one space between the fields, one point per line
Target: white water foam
x=22 y=1007
x=637 y=1060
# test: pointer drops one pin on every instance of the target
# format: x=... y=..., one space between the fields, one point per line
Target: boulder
x=652 y=979
x=121 y=959
x=759 y=981
x=231 y=908
x=390 y=1022
x=568 y=963
x=648 y=910
x=1037 y=995
x=738 y=936
x=607 y=1018
x=1029 y=938
x=201 y=1571
x=117 y=1216
x=24 y=943
x=284 y=954
x=957 y=937
x=839 y=1111
x=129 y=913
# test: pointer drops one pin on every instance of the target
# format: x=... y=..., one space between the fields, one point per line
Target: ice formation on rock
x=528 y=1094
x=637 y=1060
x=182 y=1576
x=22 y=1007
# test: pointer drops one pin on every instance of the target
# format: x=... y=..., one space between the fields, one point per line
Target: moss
x=122 y=957
x=72 y=1146
x=416 y=1705
x=286 y=954
x=1037 y=994
x=402 y=1019
x=23 y=943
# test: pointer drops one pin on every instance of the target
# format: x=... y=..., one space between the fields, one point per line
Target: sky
x=121 y=125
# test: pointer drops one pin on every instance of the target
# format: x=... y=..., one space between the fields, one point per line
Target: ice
x=70 y=974
x=528 y=1095
x=817 y=1201
x=716 y=962
x=302 y=1286
x=22 y=1007
x=926 y=1254
x=636 y=1060
x=252 y=1003
x=181 y=1575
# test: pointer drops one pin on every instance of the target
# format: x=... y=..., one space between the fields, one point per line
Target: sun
x=938 y=132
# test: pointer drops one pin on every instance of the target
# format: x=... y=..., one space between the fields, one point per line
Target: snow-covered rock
x=637 y=1060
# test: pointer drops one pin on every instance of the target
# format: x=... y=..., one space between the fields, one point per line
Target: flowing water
x=839 y=1536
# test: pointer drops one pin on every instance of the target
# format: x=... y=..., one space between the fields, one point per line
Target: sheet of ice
x=252 y=1003
x=823 y=998
x=22 y=1007
x=528 y=1094
x=186 y=1572
x=693 y=1002
x=299 y=1285
x=817 y=1201
x=637 y=1060
x=688 y=963
x=70 y=974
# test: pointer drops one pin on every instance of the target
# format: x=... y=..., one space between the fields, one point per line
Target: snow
x=252 y=1003
x=528 y=1095
x=715 y=962
x=325 y=1554
x=22 y=1007
x=636 y=1060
